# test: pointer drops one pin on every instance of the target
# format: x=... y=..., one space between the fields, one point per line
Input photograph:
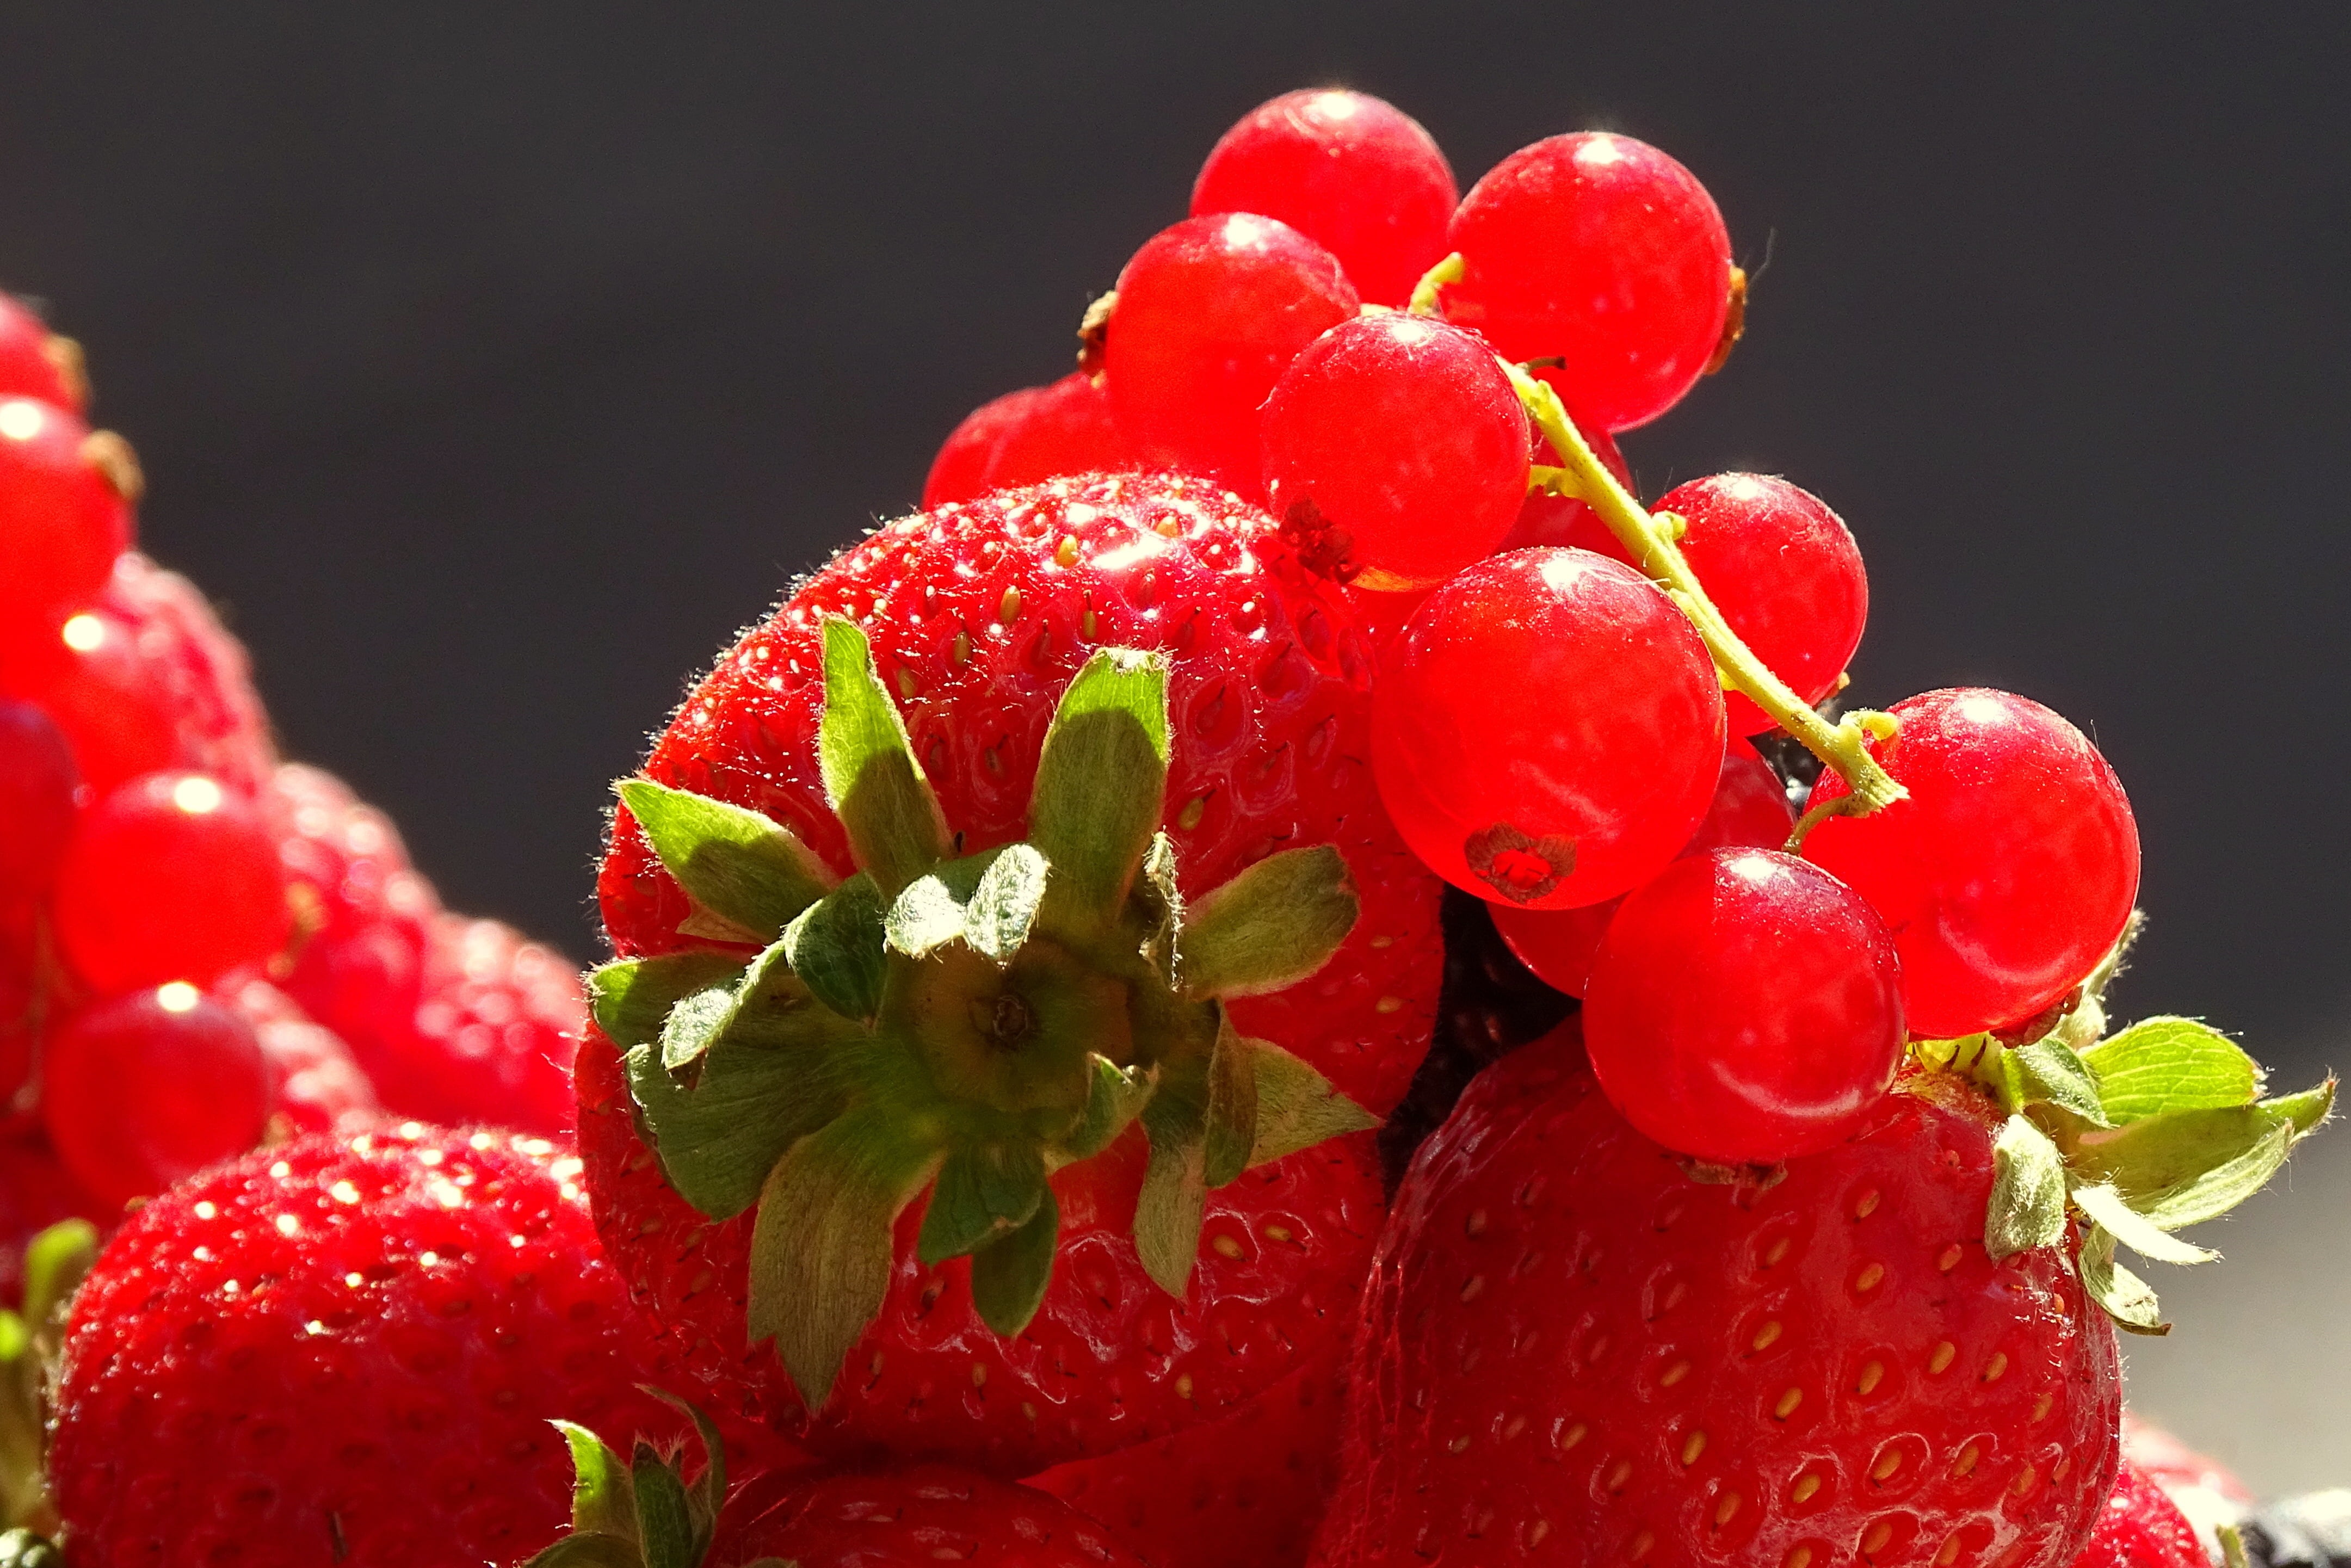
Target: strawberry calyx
x=30 y=1340
x=970 y=1023
x=641 y=1512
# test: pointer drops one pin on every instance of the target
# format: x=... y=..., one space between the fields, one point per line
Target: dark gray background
x=494 y=364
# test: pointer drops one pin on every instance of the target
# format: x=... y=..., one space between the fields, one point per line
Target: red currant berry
x=145 y=1090
x=1547 y=520
x=1745 y=1007
x=61 y=523
x=1396 y=451
x=1604 y=252
x=1547 y=730
x=1026 y=437
x=37 y=786
x=1208 y=313
x=1749 y=810
x=113 y=704
x=35 y=362
x=1781 y=568
x=1352 y=172
x=2008 y=874
x=169 y=877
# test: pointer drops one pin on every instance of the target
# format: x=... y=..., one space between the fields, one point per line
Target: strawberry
x=1133 y=673
x=345 y=1350
x=2141 y=1527
x=2201 y=1488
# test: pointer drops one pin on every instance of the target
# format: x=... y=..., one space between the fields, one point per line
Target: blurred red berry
x=35 y=362
x=1027 y=436
x=39 y=783
x=315 y=1084
x=61 y=521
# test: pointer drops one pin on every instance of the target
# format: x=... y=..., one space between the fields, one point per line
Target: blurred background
x=494 y=364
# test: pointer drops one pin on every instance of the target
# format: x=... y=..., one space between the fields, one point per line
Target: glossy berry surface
x=1548 y=731
x=32 y=365
x=1749 y=810
x=1605 y=252
x=1781 y=568
x=1350 y=171
x=171 y=877
x=1745 y=1007
x=2008 y=874
x=1394 y=452
x=61 y=523
x=37 y=786
x=1208 y=314
x=2141 y=1527
x=144 y=1090
x=315 y=1084
x=1027 y=436
x=909 y=1516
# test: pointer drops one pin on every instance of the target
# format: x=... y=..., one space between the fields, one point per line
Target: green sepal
x=55 y=1258
x=988 y=902
x=2306 y=1110
x=603 y=1494
x=707 y=1495
x=1157 y=884
x=2127 y=1298
x=762 y=1004
x=2049 y=1072
x=1228 y=1131
x=631 y=999
x=1297 y=1107
x=578 y=1550
x=748 y=868
x=1116 y=1096
x=718 y=1138
x=2186 y=1163
x=871 y=776
x=1003 y=907
x=2028 y=1191
x=1174 y=1194
x=2165 y=1064
x=1009 y=1275
x=1102 y=782
x=16 y=1339
x=981 y=1194
x=665 y=1532
x=835 y=948
x=820 y=1248
x=1271 y=926
x=2107 y=1208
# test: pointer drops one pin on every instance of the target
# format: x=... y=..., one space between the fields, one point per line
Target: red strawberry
x=2141 y=1527
x=1575 y=1351
x=983 y=618
x=345 y=1350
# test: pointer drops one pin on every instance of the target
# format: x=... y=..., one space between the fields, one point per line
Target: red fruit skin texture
x=142 y=1091
x=1352 y=172
x=1601 y=250
x=171 y=878
x=27 y=367
x=38 y=791
x=1574 y=1352
x=1394 y=450
x=2008 y=874
x=2140 y=1527
x=497 y=1025
x=62 y=524
x=1548 y=730
x=1208 y=313
x=347 y=1349
x=1109 y=1362
x=911 y=1516
x=1547 y=520
x=1247 y=1491
x=1745 y=1007
x=36 y=1192
x=316 y=1083
x=1026 y=437
x=1781 y=568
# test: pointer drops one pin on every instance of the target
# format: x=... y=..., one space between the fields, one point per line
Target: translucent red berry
x=1026 y=437
x=1606 y=253
x=169 y=877
x=2008 y=874
x=1749 y=810
x=1396 y=451
x=1781 y=568
x=35 y=363
x=1208 y=314
x=142 y=1091
x=1745 y=1007
x=1547 y=730
x=61 y=523
x=1352 y=172
x=37 y=786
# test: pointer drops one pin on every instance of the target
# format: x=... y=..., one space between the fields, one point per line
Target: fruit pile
x=1038 y=947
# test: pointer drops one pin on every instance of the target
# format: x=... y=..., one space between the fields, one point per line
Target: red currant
x=1396 y=451
x=1745 y=1007
x=2008 y=874
x=1547 y=730
x=1547 y=520
x=35 y=363
x=1781 y=568
x=1352 y=172
x=37 y=786
x=1208 y=313
x=169 y=877
x=61 y=523
x=144 y=1090
x=1750 y=811
x=113 y=702
x=1602 y=251
x=1026 y=437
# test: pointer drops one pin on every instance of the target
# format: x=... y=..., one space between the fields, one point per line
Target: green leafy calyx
x=642 y=1511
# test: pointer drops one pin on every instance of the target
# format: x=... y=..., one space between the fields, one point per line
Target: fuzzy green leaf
x=603 y=1497
x=2028 y=1191
x=821 y=1250
x=695 y=1025
x=762 y=1006
x=632 y=999
x=2306 y=1110
x=1102 y=781
x=1166 y=902
x=2125 y=1296
x=2223 y=1186
x=2106 y=1206
x=1297 y=1108
x=2161 y=1159
x=1116 y=1096
x=748 y=868
x=836 y=949
x=981 y=1194
x=2164 y=1064
x=718 y=1139
x=932 y=909
x=576 y=1550
x=55 y=1258
x=1268 y=927
x=16 y=1339
x=876 y=787
x=1169 y=1209
x=1004 y=905
x=2048 y=1073
x=708 y=1492
x=1009 y=1275
x=664 y=1517
x=1230 y=1132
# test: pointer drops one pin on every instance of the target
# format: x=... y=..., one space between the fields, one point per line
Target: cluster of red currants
x=200 y=947
x=1423 y=392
